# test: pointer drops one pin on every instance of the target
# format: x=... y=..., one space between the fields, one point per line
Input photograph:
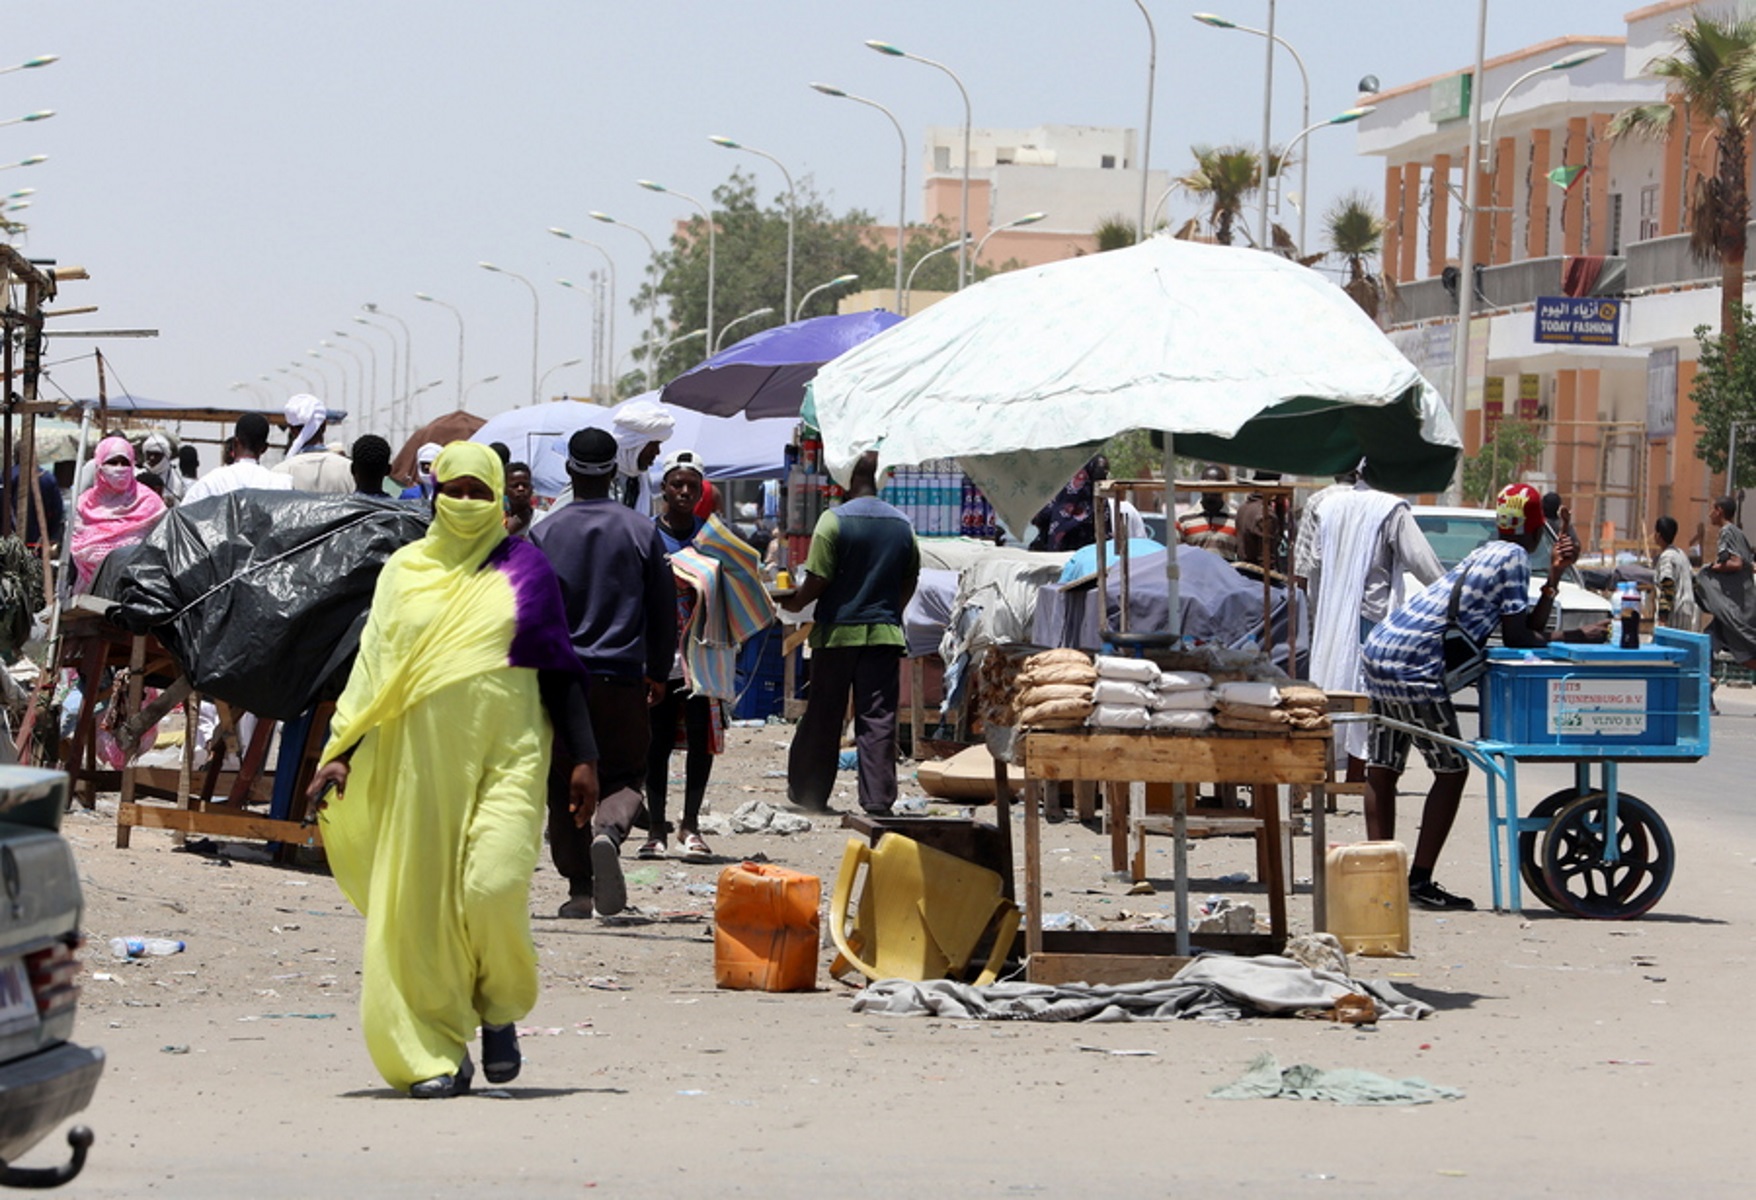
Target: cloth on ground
x=1265 y=1079
x=1212 y=987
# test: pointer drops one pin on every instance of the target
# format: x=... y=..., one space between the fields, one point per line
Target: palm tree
x=1226 y=177
x=1356 y=233
x=1114 y=233
x=1714 y=75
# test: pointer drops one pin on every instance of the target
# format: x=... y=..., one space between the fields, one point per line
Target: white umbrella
x=1240 y=356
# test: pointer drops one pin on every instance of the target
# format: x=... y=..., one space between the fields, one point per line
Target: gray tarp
x=1212 y=987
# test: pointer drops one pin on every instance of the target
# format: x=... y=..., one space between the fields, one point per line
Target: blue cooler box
x=1589 y=696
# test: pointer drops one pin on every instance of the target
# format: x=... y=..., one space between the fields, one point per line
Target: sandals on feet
x=500 y=1057
x=443 y=1087
x=692 y=849
x=651 y=848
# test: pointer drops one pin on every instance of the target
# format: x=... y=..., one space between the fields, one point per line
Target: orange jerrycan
x=766 y=929
x=921 y=912
x=1368 y=898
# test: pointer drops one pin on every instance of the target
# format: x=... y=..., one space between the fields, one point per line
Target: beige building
x=1564 y=210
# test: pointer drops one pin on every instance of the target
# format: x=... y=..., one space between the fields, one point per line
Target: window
x=1005 y=155
x=1108 y=162
x=941 y=159
x=1648 y=212
x=1615 y=223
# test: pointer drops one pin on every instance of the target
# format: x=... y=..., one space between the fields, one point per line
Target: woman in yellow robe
x=438 y=756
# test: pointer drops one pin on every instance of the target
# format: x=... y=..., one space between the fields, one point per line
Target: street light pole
x=536 y=320
x=597 y=344
x=706 y=216
x=408 y=362
x=604 y=345
x=1146 y=149
x=340 y=371
x=887 y=48
x=1027 y=219
x=734 y=323
x=792 y=204
x=1466 y=280
x=394 y=348
x=560 y=366
x=909 y=285
x=1304 y=109
x=652 y=300
x=459 y=316
x=370 y=404
x=478 y=383
x=1345 y=117
x=838 y=281
x=902 y=177
x=359 y=368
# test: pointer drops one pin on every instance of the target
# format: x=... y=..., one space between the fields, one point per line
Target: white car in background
x=1454 y=532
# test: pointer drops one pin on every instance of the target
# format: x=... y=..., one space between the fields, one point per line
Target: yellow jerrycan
x=921 y=914
x=1368 y=898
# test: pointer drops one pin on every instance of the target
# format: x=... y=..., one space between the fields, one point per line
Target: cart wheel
x=1530 y=863
x=1580 y=879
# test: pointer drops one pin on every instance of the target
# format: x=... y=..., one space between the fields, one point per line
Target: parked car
x=1454 y=532
x=44 y=1077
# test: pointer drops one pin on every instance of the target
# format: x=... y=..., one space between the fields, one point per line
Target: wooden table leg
x=1267 y=797
x=917 y=722
x=1137 y=807
x=1085 y=800
x=1116 y=817
x=1319 y=859
x=1033 y=869
x=136 y=665
x=1003 y=821
x=251 y=766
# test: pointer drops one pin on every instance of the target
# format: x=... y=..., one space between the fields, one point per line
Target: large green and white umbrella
x=1236 y=355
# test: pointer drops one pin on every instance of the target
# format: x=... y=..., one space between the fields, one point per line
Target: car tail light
x=53 y=970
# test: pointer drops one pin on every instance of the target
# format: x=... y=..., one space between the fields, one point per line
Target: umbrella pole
x=1173 y=572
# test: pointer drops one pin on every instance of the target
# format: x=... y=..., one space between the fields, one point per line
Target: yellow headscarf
x=436 y=616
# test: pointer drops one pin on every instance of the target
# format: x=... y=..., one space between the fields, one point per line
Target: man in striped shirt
x=1405 y=673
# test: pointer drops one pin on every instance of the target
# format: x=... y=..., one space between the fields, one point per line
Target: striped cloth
x=1405 y=657
x=726 y=575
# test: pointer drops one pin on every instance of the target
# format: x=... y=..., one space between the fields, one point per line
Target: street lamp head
x=1030 y=218
x=487 y=266
x=886 y=48
x=41 y=60
x=723 y=141
x=606 y=218
x=841 y=279
x=424 y=296
x=1350 y=115
x=21 y=193
x=560 y=233
x=1217 y=22
x=828 y=91
x=33 y=160
x=1571 y=60
x=649 y=185
x=369 y=307
x=40 y=115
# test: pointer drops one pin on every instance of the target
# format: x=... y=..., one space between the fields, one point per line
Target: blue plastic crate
x=761 y=677
x=1597 y=698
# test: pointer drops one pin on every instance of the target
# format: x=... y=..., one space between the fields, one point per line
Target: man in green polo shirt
x=861 y=571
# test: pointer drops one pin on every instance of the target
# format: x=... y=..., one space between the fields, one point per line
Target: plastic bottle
x=1630 y=616
x=141 y=947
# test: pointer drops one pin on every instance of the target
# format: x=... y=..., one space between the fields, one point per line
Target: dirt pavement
x=1597 y=1058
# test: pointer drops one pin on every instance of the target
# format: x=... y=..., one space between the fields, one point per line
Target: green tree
x=1725 y=394
x=1714 y=74
x=1356 y=234
x=1114 y=233
x=1512 y=450
x=1225 y=178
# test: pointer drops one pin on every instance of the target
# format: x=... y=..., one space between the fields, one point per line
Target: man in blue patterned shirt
x=1405 y=672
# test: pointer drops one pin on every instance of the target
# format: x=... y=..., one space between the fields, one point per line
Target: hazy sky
x=244 y=175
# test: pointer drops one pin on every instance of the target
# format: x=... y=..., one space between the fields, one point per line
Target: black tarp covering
x=260 y=595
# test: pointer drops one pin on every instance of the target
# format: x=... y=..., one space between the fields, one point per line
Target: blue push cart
x=1591 y=850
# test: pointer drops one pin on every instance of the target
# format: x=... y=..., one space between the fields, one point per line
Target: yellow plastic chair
x=921 y=913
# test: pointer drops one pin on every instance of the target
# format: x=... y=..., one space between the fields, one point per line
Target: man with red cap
x=1405 y=673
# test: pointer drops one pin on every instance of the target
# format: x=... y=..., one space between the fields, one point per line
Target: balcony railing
x=1654 y=263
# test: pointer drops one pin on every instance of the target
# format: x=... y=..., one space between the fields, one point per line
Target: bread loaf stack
x=1271 y=708
x=1054 y=690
